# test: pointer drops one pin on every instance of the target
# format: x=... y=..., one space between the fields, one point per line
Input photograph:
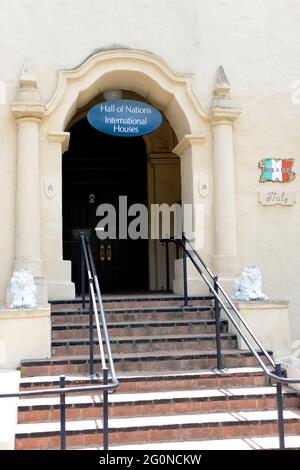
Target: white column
x=28 y=217
x=226 y=258
x=223 y=115
x=28 y=111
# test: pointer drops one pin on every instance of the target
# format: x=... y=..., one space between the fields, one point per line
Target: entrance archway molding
x=41 y=127
x=135 y=71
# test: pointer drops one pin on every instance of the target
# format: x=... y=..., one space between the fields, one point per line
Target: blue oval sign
x=124 y=118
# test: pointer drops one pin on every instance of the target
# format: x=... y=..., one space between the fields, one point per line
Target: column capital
x=187 y=141
x=27 y=111
x=227 y=116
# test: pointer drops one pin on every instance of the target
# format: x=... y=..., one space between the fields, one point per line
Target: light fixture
x=113 y=95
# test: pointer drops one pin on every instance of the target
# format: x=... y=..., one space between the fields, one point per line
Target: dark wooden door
x=98 y=169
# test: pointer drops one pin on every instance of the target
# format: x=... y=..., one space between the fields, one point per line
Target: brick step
x=159 y=360
x=135 y=314
x=158 y=429
x=155 y=403
x=153 y=381
x=253 y=443
x=136 y=302
x=133 y=329
x=149 y=344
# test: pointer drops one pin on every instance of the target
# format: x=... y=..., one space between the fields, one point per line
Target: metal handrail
x=103 y=318
x=255 y=339
x=57 y=391
x=93 y=298
x=276 y=378
x=105 y=387
x=215 y=289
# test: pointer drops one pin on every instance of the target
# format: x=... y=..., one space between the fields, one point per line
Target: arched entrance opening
x=100 y=169
x=182 y=134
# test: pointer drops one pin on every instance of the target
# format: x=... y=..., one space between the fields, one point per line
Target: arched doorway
x=98 y=169
x=152 y=79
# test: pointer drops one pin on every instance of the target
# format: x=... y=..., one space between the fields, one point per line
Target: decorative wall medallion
x=92 y=198
x=273 y=198
x=49 y=188
x=203 y=187
x=276 y=170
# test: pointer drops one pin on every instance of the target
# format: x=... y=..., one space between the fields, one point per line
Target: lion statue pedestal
x=25 y=323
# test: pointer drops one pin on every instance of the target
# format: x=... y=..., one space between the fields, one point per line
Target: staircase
x=169 y=397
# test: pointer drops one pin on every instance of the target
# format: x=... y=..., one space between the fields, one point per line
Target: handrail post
x=91 y=332
x=167 y=266
x=62 y=384
x=105 y=410
x=280 y=407
x=218 y=326
x=185 y=283
x=82 y=274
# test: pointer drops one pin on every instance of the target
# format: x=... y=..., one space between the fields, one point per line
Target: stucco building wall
x=257 y=43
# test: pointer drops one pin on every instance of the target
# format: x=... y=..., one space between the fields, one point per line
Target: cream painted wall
x=257 y=42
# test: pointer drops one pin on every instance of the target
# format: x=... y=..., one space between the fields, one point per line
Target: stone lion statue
x=23 y=290
x=248 y=286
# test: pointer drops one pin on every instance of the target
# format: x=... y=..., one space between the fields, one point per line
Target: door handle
x=108 y=252
x=102 y=252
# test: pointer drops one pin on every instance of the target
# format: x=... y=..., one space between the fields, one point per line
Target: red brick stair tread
x=210 y=394
x=151 y=375
x=165 y=337
x=251 y=443
x=132 y=323
x=162 y=353
x=158 y=422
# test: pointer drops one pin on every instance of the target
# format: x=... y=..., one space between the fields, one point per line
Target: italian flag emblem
x=276 y=170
